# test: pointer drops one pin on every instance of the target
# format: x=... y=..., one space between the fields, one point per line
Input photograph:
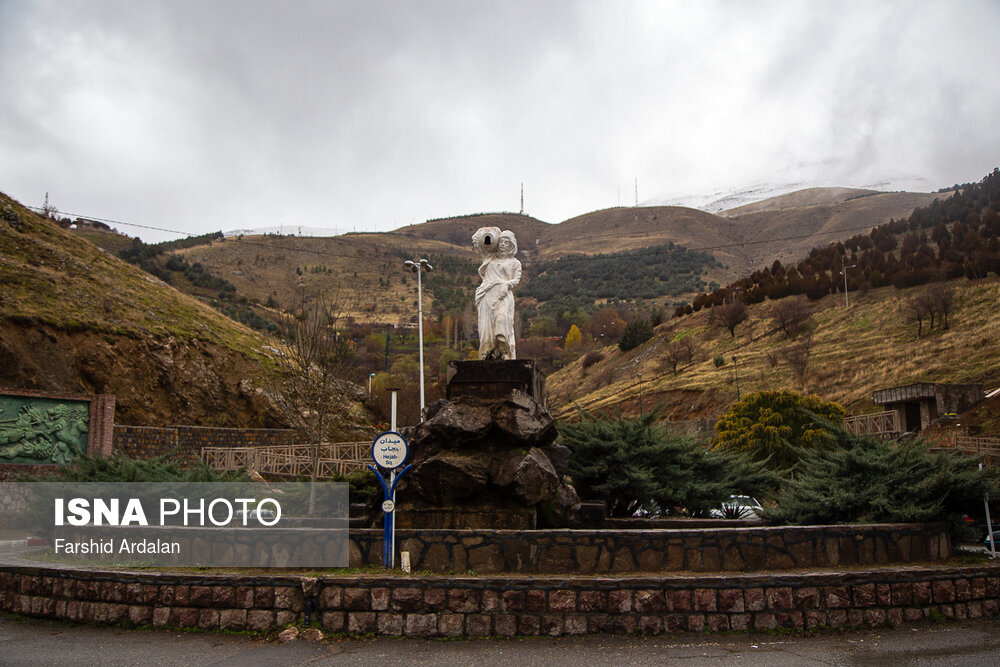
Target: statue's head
x=507 y=244
x=485 y=240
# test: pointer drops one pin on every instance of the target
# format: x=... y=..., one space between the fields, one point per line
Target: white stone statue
x=500 y=272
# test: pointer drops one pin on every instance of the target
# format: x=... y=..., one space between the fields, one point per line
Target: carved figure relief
x=500 y=272
x=44 y=433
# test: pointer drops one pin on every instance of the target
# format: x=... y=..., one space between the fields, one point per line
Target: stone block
x=463 y=600
x=362 y=622
x=575 y=624
x=161 y=616
x=264 y=619
x=649 y=601
x=814 y=619
x=505 y=625
x=650 y=625
x=513 y=601
x=243 y=597
x=739 y=622
x=535 y=601
x=479 y=625
x=978 y=588
x=263 y=597
x=901 y=594
x=208 y=619
x=223 y=596
x=624 y=623
x=883 y=596
x=620 y=601
x=864 y=595
x=754 y=599
x=451 y=625
x=593 y=601
x=913 y=614
x=435 y=599
x=675 y=622
x=943 y=591
x=678 y=601
x=963 y=590
x=380 y=599
x=233 y=619
x=717 y=622
x=837 y=618
x=286 y=597
x=807 y=597
x=764 y=621
x=140 y=615
x=790 y=619
x=490 y=601
x=403 y=599
x=779 y=598
x=836 y=597
x=921 y=592
x=389 y=623
x=528 y=625
x=562 y=600
x=200 y=596
x=705 y=599
x=856 y=617
x=894 y=617
x=696 y=622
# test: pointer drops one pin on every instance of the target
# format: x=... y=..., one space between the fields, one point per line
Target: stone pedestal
x=495 y=379
x=484 y=458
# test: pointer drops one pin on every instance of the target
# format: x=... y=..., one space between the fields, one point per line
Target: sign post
x=389 y=451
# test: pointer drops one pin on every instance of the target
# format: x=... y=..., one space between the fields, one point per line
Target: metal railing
x=335 y=458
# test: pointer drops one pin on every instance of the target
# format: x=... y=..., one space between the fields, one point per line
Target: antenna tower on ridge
x=522 y=198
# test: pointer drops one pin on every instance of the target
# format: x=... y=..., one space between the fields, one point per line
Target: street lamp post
x=418 y=267
x=847 y=303
x=736 y=369
x=640 y=395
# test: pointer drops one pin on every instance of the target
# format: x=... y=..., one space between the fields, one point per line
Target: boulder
x=448 y=477
x=530 y=478
x=524 y=422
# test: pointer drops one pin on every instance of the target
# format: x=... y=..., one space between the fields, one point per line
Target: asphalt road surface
x=26 y=641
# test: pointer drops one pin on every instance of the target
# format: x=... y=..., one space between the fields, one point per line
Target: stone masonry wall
x=149 y=441
x=507 y=606
x=623 y=551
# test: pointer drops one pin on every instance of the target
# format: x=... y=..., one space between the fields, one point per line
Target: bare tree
x=308 y=385
x=943 y=301
x=679 y=352
x=797 y=357
x=789 y=314
x=730 y=316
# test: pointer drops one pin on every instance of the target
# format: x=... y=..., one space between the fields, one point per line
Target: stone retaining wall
x=624 y=551
x=505 y=606
x=150 y=441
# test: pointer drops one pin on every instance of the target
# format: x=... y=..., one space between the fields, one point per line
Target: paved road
x=35 y=642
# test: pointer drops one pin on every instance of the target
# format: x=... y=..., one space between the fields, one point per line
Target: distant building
x=917 y=406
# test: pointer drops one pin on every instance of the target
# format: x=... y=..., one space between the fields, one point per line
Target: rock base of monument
x=485 y=458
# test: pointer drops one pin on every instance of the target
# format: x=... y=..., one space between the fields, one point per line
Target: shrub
x=637 y=464
x=866 y=480
x=777 y=426
x=636 y=333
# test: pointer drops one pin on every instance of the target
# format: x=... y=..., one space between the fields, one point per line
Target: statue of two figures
x=500 y=272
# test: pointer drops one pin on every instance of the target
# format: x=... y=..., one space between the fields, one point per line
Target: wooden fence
x=988 y=445
x=336 y=458
x=876 y=424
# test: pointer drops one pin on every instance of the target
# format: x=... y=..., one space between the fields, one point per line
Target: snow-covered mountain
x=723 y=199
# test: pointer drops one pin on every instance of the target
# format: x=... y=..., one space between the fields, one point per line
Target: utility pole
x=522 y=198
x=637 y=191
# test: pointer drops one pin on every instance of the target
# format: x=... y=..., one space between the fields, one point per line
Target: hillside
x=851 y=352
x=786 y=228
x=366 y=269
x=74 y=319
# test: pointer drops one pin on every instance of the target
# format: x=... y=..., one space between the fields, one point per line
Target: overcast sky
x=204 y=115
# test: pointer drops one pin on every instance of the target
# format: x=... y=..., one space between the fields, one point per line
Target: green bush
x=636 y=333
x=870 y=481
x=637 y=464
